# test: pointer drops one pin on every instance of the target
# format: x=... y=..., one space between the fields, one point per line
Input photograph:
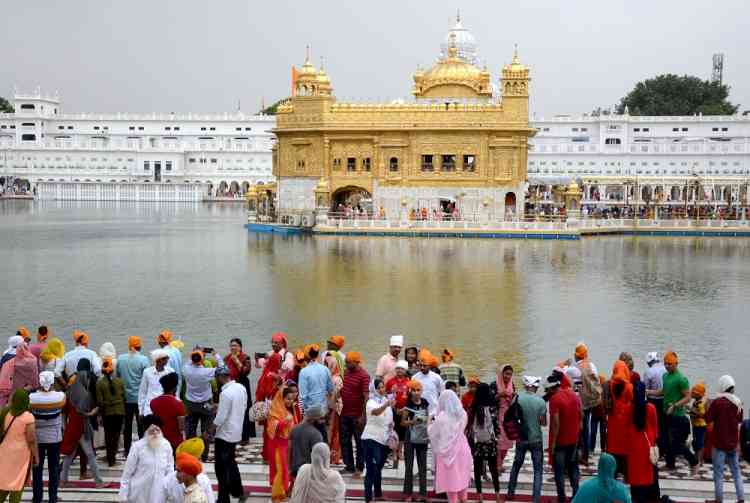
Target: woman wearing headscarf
x=110 y=395
x=79 y=433
x=18 y=446
x=279 y=345
x=266 y=389
x=505 y=392
x=643 y=476
x=453 y=462
x=317 y=482
x=620 y=416
x=482 y=430
x=10 y=353
x=603 y=488
x=239 y=366
x=335 y=365
x=46 y=406
x=52 y=352
x=20 y=372
x=278 y=426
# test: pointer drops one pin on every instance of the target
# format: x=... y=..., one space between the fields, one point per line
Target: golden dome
x=308 y=70
x=452 y=77
x=515 y=65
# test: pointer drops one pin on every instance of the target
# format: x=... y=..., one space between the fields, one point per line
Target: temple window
x=351 y=164
x=393 y=164
x=366 y=164
x=427 y=164
x=337 y=164
x=301 y=165
x=470 y=163
x=448 y=162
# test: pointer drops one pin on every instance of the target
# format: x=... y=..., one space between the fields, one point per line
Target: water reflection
x=117 y=269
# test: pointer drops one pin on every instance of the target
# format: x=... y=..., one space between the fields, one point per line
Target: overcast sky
x=200 y=55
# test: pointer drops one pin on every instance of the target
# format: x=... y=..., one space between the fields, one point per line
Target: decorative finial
x=307 y=54
x=458 y=16
x=515 y=54
x=322 y=60
x=452 y=51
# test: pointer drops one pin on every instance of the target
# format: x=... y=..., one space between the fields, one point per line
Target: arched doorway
x=223 y=186
x=245 y=187
x=351 y=198
x=234 y=187
x=510 y=201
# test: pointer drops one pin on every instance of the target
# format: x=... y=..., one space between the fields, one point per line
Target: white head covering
x=397 y=340
x=447 y=431
x=158 y=354
x=13 y=343
x=652 y=357
x=316 y=482
x=46 y=380
x=725 y=382
x=107 y=350
x=532 y=381
x=402 y=364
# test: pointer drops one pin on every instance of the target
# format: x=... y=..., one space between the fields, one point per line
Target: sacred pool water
x=116 y=269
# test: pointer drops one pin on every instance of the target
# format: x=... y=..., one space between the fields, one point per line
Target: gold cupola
x=452 y=77
x=515 y=77
x=324 y=82
x=308 y=81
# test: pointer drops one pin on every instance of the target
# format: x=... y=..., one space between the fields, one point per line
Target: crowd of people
x=318 y=408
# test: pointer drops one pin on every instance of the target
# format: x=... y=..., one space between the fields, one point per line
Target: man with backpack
x=534 y=413
x=565 y=427
x=590 y=390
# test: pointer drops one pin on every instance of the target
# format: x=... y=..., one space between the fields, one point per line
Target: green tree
x=5 y=107
x=271 y=110
x=674 y=95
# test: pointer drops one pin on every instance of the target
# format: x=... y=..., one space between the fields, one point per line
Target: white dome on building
x=466 y=44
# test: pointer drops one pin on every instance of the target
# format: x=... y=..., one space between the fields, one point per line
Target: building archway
x=223 y=187
x=510 y=201
x=245 y=187
x=351 y=196
x=234 y=187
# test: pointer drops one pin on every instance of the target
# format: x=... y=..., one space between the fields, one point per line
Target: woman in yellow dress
x=18 y=446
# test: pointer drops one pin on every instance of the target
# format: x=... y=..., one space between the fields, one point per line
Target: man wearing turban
x=432 y=384
x=188 y=469
x=68 y=365
x=150 y=383
x=149 y=463
x=130 y=368
x=174 y=488
x=166 y=341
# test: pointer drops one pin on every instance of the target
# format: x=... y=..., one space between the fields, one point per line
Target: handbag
x=653 y=451
x=259 y=411
x=513 y=421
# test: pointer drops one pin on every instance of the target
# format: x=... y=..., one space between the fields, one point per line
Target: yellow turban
x=55 y=347
x=193 y=446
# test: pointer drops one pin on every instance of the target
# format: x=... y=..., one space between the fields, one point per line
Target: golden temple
x=460 y=146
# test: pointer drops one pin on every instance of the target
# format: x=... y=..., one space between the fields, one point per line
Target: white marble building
x=220 y=154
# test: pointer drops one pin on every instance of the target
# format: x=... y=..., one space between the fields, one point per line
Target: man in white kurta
x=149 y=462
x=150 y=386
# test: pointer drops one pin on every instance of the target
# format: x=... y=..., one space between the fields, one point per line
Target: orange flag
x=294 y=81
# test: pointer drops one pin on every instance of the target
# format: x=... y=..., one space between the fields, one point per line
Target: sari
x=317 y=482
x=453 y=462
x=278 y=426
x=266 y=390
x=334 y=424
x=19 y=372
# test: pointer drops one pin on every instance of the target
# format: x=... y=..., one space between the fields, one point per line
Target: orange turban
x=23 y=332
x=447 y=355
x=425 y=355
x=582 y=351
x=107 y=367
x=188 y=464
x=671 y=358
x=415 y=385
x=338 y=340
x=81 y=337
x=134 y=342
x=165 y=336
x=311 y=347
x=354 y=357
x=300 y=356
x=433 y=361
x=699 y=390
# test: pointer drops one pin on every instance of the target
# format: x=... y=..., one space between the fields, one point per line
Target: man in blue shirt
x=315 y=384
x=130 y=369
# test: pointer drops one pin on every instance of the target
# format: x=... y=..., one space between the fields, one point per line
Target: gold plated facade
x=455 y=143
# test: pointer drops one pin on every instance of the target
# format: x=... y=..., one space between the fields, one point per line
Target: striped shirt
x=47 y=409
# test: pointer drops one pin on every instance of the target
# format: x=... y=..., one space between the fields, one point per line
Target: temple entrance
x=351 y=199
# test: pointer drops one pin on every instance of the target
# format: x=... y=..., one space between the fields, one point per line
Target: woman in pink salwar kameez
x=453 y=462
x=505 y=394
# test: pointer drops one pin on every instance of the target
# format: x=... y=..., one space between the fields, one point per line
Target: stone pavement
x=679 y=485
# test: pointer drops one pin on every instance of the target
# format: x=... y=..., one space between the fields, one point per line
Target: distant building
x=42 y=147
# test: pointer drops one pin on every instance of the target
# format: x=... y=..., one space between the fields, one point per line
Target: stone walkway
x=679 y=485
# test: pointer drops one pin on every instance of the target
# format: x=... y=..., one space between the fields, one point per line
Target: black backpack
x=513 y=424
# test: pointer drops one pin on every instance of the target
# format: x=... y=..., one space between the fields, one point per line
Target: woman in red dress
x=268 y=385
x=278 y=426
x=620 y=417
x=643 y=476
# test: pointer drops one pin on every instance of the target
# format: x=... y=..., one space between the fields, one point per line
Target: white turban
x=14 y=341
x=107 y=350
x=652 y=357
x=725 y=382
x=402 y=364
x=397 y=340
x=158 y=354
x=531 y=381
x=46 y=380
